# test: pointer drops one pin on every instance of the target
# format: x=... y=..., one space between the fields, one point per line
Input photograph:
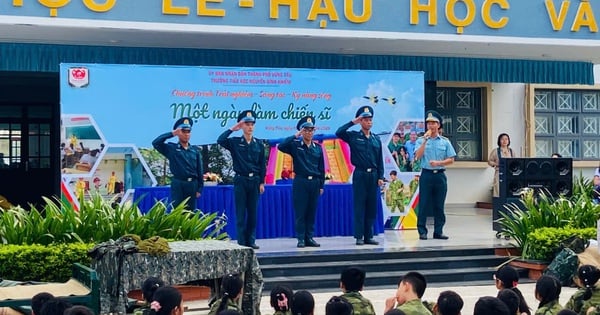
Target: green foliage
x=219 y=162
x=158 y=164
x=542 y=210
x=41 y=262
x=544 y=242
x=99 y=221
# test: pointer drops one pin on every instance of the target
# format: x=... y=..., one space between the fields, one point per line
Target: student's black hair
x=303 y=303
x=511 y=299
x=338 y=306
x=150 y=286
x=567 y=312
x=394 y=311
x=165 y=300
x=588 y=275
x=54 y=306
x=417 y=281
x=78 y=310
x=231 y=287
x=489 y=305
x=38 y=300
x=548 y=288
x=500 y=138
x=278 y=295
x=353 y=278
x=449 y=303
x=393 y=173
x=229 y=312
x=510 y=278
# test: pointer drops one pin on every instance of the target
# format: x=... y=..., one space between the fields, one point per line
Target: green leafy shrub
x=98 y=221
x=542 y=210
x=544 y=242
x=41 y=262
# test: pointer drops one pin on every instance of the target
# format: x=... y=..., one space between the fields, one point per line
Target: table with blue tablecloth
x=275 y=211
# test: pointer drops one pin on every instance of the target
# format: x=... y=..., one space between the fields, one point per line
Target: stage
x=275 y=212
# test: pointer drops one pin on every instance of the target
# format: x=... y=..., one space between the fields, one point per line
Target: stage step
x=321 y=270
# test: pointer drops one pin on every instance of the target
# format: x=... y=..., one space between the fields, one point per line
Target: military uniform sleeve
x=223 y=139
x=200 y=171
x=262 y=162
x=342 y=132
x=287 y=145
x=160 y=145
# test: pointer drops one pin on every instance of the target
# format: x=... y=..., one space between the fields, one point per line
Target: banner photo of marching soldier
x=104 y=106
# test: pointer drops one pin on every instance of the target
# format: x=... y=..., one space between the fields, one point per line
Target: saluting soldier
x=309 y=180
x=248 y=155
x=435 y=152
x=185 y=163
x=367 y=158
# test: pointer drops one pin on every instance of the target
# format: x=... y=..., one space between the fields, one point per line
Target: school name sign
x=517 y=18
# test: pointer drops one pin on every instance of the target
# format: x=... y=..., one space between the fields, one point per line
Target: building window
x=567 y=122
x=461 y=110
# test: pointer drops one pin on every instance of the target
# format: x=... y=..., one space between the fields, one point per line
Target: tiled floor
x=467 y=227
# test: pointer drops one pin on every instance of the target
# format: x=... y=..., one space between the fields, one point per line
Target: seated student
x=54 y=306
x=547 y=291
x=337 y=305
x=352 y=282
x=588 y=295
x=511 y=299
x=489 y=305
x=303 y=303
x=448 y=303
x=281 y=300
x=231 y=289
x=408 y=296
x=78 y=310
x=507 y=277
x=166 y=301
x=394 y=311
x=149 y=286
x=38 y=300
x=596 y=191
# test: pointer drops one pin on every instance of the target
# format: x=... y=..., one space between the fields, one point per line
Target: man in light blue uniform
x=435 y=152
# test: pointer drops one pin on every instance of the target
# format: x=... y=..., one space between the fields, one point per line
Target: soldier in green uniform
x=232 y=289
x=547 y=291
x=309 y=180
x=408 y=296
x=367 y=158
x=435 y=152
x=588 y=295
x=396 y=192
x=352 y=282
x=185 y=163
x=248 y=155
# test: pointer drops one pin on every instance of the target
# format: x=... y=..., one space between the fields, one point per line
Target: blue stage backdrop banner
x=134 y=104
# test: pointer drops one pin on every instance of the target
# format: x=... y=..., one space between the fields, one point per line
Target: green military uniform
x=577 y=304
x=289 y=312
x=551 y=308
x=142 y=311
x=413 y=185
x=416 y=165
x=367 y=157
x=396 y=192
x=414 y=307
x=250 y=167
x=231 y=305
x=360 y=304
x=404 y=164
x=309 y=167
x=185 y=165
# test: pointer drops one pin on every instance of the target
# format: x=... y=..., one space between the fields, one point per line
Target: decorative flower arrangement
x=212 y=177
x=328 y=176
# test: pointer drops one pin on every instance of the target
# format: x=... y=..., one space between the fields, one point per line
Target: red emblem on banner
x=79 y=77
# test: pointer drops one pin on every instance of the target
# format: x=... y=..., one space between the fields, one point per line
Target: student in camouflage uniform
x=408 y=296
x=547 y=291
x=166 y=301
x=149 y=286
x=448 y=303
x=507 y=277
x=338 y=306
x=281 y=299
x=231 y=288
x=511 y=299
x=303 y=303
x=396 y=193
x=588 y=296
x=352 y=282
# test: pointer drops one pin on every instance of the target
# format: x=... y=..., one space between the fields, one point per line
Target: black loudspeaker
x=550 y=175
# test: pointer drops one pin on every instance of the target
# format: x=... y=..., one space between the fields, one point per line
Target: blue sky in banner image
x=134 y=104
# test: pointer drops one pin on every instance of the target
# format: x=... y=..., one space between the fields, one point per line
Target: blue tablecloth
x=275 y=211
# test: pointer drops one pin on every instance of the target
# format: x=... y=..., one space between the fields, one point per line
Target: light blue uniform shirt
x=436 y=149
